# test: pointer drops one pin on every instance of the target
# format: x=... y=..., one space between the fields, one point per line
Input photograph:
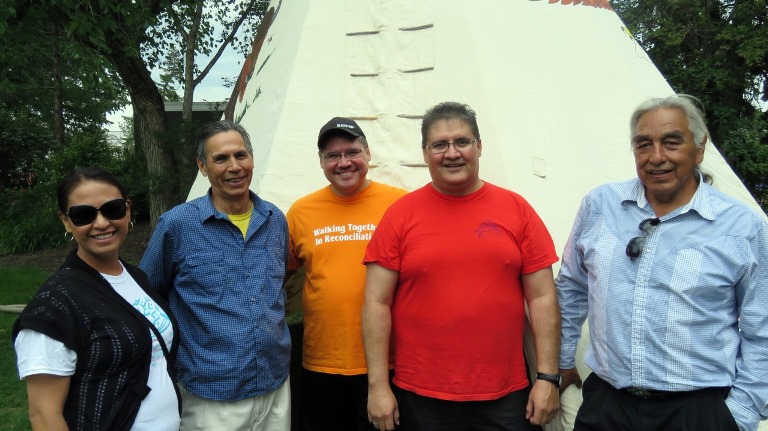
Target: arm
x=540 y=294
x=293 y=285
x=380 y=284
x=47 y=394
x=570 y=377
x=295 y=273
x=288 y=274
x=572 y=287
x=748 y=399
x=157 y=261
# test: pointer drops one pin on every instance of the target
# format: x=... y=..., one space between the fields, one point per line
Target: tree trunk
x=148 y=129
x=189 y=68
x=186 y=148
x=148 y=126
x=184 y=151
x=58 y=97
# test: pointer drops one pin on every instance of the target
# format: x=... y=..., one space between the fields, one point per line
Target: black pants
x=418 y=413
x=606 y=408
x=332 y=402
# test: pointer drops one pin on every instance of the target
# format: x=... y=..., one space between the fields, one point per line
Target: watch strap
x=555 y=379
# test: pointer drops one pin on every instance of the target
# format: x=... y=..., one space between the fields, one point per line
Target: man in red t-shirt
x=450 y=269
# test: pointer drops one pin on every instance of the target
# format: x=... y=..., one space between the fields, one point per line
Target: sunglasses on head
x=81 y=215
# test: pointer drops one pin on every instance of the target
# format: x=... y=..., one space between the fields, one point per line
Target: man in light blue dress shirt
x=672 y=275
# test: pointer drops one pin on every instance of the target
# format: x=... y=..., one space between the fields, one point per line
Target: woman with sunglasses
x=96 y=345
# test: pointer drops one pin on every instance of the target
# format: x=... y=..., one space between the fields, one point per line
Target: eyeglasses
x=636 y=245
x=81 y=215
x=442 y=146
x=352 y=153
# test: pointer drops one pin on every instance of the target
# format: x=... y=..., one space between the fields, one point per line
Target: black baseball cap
x=335 y=125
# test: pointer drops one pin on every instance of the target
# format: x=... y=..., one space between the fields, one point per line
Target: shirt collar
x=207 y=210
x=701 y=202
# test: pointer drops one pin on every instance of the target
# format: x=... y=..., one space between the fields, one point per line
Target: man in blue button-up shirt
x=220 y=260
x=672 y=275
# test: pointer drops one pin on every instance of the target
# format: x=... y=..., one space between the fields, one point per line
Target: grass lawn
x=17 y=286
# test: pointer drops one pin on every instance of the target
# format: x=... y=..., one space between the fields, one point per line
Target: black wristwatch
x=555 y=379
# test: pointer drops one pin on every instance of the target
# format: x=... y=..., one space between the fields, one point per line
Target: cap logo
x=348 y=126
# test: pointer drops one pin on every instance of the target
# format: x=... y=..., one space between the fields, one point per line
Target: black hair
x=448 y=111
x=81 y=175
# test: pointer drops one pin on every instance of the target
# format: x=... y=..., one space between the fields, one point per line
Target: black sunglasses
x=81 y=215
x=636 y=245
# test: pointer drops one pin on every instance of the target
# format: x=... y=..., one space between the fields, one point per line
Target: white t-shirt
x=40 y=354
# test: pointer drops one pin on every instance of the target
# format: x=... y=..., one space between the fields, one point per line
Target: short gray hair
x=218 y=127
x=693 y=109
x=688 y=104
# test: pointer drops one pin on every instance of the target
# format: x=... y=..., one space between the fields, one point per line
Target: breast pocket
x=202 y=274
x=710 y=269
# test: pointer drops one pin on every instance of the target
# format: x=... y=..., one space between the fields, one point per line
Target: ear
x=479 y=147
x=425 y=155
x=65 y=221
x=201 y=167
x=700 y=151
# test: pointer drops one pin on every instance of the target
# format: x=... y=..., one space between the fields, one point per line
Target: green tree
x=186 y=32
x=117 y=31
x=47 y=87
x=54 y=97
x=194 y=28
x=716 y=50
x=120 y=32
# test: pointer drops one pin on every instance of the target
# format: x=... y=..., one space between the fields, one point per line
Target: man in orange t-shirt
x=329 y=230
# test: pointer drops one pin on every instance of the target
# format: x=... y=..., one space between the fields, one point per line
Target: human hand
x=543 y=403
x=382 y=409
x=570 y=377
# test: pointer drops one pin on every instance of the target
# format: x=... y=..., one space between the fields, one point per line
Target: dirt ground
x=49 y=260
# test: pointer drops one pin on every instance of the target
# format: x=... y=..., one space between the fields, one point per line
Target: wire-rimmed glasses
x=352 y=153
x=442 y=146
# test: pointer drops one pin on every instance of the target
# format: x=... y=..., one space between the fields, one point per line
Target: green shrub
x=28 y=217
x=28 y=220
x=87 y=149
